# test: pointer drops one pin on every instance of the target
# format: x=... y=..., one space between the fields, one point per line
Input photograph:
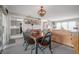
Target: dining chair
x=28 y=41
x=45 y=31
x=46 y=42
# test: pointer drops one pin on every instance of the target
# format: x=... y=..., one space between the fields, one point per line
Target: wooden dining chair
x=46 y=42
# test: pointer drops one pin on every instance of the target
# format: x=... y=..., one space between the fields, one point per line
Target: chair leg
x=33 y=47
x=24 y=43
x=26 y=46
x=32 y=50
x=1 y=51
x=42 y=49
x=50 y=49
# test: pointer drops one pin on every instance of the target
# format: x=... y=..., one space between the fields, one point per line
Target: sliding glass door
x=1 y=33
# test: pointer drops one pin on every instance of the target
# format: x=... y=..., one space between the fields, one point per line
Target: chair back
x=47 y=39
x=27 y=38
x=45 y=31
x=24 y=35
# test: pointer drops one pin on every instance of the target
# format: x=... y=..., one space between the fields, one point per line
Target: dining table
x=34 y=35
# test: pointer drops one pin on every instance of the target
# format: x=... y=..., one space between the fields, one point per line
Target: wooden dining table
x=36 y=36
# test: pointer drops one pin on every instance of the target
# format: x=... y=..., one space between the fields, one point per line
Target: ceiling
x=54 y=12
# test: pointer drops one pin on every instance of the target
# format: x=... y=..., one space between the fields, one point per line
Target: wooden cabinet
x=67 y=38
x=62 y=36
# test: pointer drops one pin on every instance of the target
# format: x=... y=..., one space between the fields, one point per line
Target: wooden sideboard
x=67 y=38
x=64 y=37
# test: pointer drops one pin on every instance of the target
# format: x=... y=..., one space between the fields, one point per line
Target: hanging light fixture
x=42 y=11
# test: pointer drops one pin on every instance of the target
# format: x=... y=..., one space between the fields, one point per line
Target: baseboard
x=62 y=44
x=6 y=46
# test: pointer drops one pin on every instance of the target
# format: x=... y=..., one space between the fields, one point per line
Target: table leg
x=36 y=45
x=36 y=48
x=50 y=47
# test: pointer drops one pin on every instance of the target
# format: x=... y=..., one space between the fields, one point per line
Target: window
x=72 y=25
x=64 y=25
x=58 y=25
x=15 y=25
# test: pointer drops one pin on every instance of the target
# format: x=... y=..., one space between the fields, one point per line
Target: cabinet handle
x=71 y=38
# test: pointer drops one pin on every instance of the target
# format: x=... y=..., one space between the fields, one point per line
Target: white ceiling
x=54 y=12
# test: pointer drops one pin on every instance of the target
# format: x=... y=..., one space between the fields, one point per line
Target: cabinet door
x=68 y=39
x=76 y=42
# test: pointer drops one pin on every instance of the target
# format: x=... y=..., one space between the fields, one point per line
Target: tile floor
x=18 y=48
